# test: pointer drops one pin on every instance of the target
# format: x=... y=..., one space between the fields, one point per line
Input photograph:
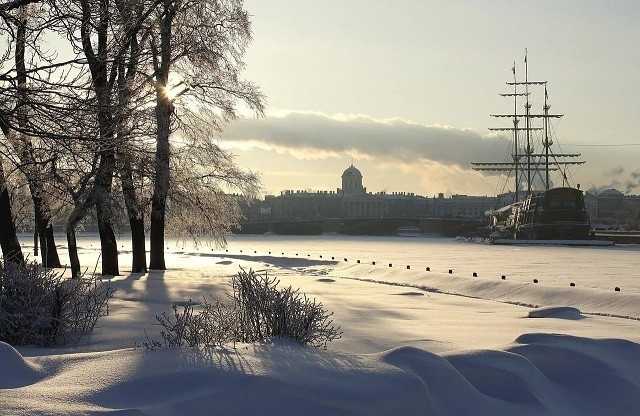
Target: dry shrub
x=257 y=311
x=211 y=325
x=38 y=306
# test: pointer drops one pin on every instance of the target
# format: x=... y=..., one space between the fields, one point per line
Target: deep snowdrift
x=15 y=371
x=540 y=374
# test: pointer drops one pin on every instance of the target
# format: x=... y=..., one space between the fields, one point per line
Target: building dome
x=352 y=181
x=352 y=171
x=611 y=193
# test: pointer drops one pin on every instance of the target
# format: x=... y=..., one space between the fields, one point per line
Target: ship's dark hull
x=555 y=214
x=557 y=231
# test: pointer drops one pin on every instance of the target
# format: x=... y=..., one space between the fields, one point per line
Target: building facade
x=611 y=208
x=353 y=201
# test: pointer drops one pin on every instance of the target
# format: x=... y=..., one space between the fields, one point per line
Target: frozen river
x=597 y=267
x=589 y=267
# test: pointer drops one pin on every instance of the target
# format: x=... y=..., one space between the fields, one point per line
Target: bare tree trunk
x=160 y=186
x=108 y=243
x=51 y=250
x=9 y=243
x=138 y=243
x=44 y=230
x=30 y=168
x=136 y=219
x=164 y=110
x=35 y=239
x=98 y=66
x=126 y=76
x=74 y=260
x=72 y=247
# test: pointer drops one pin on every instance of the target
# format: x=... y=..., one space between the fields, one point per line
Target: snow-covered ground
x=415 y=342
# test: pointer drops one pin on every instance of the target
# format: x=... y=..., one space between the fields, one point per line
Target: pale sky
x=365 y=81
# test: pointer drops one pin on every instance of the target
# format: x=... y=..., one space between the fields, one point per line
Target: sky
x=403 y=89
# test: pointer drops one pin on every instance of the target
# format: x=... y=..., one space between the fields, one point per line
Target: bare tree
x=132 y=96
x=9 y=243
x=97 y=22
x=201 y=45
x=79 y=128
x=29 y=162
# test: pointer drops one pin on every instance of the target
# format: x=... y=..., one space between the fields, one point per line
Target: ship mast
x=527 y=107
x=538 y=165
x=547 y=143
x=516 y=157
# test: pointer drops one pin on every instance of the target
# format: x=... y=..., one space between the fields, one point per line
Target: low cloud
x=617 y=171
x=617 y=178
x=632 y=184
x=314 y=135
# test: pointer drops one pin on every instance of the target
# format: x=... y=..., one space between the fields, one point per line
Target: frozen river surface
x=595 y=267
x=602 y=268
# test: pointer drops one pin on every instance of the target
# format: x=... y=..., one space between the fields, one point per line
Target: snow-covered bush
x=257 y=311
x=264 y=311
x=39 y=306
x=212 y=324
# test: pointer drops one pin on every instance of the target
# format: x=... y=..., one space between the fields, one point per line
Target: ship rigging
x=551 y=213
x=526 y=161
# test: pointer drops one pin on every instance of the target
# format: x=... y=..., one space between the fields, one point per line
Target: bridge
x=447 y=226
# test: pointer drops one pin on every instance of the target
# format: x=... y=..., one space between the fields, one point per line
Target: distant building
x=462 y=206
x=612 y=208
x=353 y=201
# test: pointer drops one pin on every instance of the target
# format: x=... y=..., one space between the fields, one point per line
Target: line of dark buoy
x=428 y=269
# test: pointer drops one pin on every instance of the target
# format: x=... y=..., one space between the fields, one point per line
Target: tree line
x=112 y=108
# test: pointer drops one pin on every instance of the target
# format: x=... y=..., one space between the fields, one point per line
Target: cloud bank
x=315 y=135
x=618 y=178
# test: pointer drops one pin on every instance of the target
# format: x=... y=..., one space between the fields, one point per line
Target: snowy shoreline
x=539 y=374
x=408 y=348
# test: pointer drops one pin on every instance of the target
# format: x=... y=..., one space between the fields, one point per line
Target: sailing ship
x=548 y=212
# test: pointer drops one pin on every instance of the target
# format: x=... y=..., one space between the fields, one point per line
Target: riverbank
x=409 y=347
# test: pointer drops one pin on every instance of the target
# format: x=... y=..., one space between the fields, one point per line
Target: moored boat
x=545 y=212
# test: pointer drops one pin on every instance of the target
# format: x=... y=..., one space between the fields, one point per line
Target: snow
x=601 y=243
x=16 y=371
x=415 y=342
x=558 y=312
x=539 y=374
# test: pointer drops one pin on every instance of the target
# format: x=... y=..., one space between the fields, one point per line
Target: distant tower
x=352 y=181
